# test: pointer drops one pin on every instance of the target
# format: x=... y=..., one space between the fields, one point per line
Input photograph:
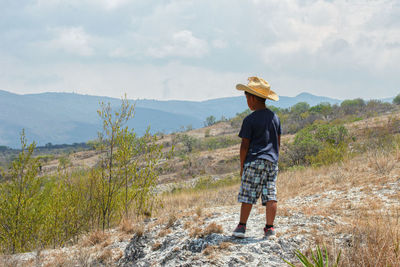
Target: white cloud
x=72 y=40
x=183 y=44
x=113 y=4
x=172 y=81
x=105 y=4
x=331 y=47
x=218 y=43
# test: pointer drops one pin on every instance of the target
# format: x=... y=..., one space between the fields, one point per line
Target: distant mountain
x=65 y=118
x=227 y=106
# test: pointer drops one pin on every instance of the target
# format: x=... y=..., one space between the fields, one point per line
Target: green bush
x=314 y=139
x=210 y=120
x=328 y=154
x=212 y=143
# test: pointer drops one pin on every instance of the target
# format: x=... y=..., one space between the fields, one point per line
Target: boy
x=259 y=152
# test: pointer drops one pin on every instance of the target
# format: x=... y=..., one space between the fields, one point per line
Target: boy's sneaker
x=269 y=232
x=239 y=231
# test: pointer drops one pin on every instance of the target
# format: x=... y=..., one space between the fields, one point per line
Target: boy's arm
x=279 y=141
x=244 y=148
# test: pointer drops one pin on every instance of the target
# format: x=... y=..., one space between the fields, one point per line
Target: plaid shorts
x=259 y=177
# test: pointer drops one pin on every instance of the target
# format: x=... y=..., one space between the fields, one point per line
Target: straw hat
x=259 y=87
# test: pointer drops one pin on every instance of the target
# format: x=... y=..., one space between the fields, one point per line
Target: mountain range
x=66 y=118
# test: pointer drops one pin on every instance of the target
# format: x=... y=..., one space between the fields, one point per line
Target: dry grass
x=164 y=232
x=127 y=226
x=199 y=211
x=105 y=256
x=376 y=242
x=209 y=250
x=211 y=228
x=8 y=261
x=195 y=232
x=382 y=161
x=188 y=224
x=94 y=238
x=156 y=246
x=224 y=245
x=171 y=220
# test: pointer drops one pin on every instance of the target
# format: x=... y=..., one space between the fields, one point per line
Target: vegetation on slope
x=56 y=209
x=42 y=211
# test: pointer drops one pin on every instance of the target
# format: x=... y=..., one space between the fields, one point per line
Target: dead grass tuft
x=105 y=256
x=127 y=226
x=381 y=161
x=171 y=220
x=213 y=228
x=164 y=232
x=199 y=211
x=224 y=245
x=95 y=238
x=209 y=250
x=156 y=246
x=83 y=257
x=187 y=224
x=195 y=232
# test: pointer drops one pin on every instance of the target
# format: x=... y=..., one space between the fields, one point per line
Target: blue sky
x=196 y=50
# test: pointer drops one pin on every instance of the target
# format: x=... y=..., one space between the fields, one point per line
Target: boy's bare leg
x=270 y=212
x=245 y=212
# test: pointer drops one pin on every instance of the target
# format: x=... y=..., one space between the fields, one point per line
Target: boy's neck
x=260 y=106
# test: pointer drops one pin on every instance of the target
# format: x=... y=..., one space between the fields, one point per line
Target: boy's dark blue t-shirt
x=262 y=127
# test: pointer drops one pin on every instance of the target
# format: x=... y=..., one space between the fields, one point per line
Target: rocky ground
x=183 y=247
x=202 y=237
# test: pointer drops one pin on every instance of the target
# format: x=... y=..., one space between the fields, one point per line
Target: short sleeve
x=245 y=131
x=279 y=125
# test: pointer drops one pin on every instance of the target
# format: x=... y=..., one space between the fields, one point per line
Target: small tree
x=110 y=182
x=127 y=171
x=396 y=100
x=21 y=202
x=300 y=108
x=352 y=106
x=128 y=149
x=210 y=120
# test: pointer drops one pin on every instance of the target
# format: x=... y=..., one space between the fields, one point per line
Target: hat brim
x=271 y=96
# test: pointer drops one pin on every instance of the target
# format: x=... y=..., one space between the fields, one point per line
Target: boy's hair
x=260 y=99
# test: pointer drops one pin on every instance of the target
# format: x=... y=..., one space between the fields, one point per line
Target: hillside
x=66 y=118
x=333 y=204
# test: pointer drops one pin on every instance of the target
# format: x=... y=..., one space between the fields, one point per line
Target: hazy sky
x=196 y=50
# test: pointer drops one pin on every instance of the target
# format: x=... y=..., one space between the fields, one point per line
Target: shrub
x=315 y=139
x=352 y=106
x=210 y=120
x=328 y=154
x=396 y=100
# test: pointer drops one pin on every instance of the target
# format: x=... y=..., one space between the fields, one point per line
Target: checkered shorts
x=259 y=177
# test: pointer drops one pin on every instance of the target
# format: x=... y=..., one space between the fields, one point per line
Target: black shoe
x=239 y=231
x=269 y=232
